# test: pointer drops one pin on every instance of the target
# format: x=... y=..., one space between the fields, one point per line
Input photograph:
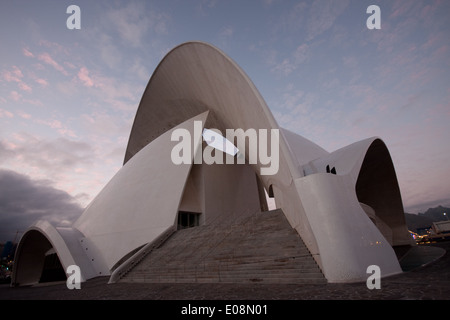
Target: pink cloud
x=441 y=52
x=34 y=102
x=46 y=58
x=5 y=114
x=24 y=87
x=401 y=8
x=429 y=10
x=70 y=65
x=27 y=53
x=55 y=47
x=14 y=95
x=54 y=124
x=83 y=75
x=42 y=82
x=14 y=75
x=58 y=126
x=24 y=115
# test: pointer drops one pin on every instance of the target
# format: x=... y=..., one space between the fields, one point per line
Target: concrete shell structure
x=348 y=220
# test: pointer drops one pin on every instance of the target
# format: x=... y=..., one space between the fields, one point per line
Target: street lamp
x=445 y=214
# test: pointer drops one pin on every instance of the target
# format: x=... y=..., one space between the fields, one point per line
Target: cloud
x=46 y=58
x=16 y=75
x=322 y=16
x=15 y=96
x=135 y=21
x=204 y=6
x=24 y=87
x=289 y=64
x=401 y=8
x=24 y=201
x=24 y=115
x=51 y=156
x=226 y=32
x=83 y=75
x=27 y=53
x=70 y=164
x=57 y=125
x=6 y=114
x=42 y=82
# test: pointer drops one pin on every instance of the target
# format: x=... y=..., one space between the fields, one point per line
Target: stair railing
x=131 y=262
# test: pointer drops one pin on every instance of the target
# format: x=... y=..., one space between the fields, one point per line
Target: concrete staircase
x=260 y=248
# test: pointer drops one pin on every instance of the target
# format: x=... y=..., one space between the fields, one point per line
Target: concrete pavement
x=429 y=282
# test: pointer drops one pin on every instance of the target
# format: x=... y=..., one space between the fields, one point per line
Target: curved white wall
x=140 y=202
x=348 y=241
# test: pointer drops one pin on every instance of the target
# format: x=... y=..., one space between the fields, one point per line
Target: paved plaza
x=428 y=282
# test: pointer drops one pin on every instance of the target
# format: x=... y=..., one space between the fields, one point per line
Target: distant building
x=348 y=218
x=441 y=227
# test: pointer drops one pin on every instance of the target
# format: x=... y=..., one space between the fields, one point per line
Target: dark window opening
x=188 y=219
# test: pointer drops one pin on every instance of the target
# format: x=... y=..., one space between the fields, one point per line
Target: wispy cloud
x=42 y=82
x=59 y=154
x=83 y=75
x=6 y=114
x=16 y=75
x=46 y=58
x=203 y=6
x=287 y=65
x=24 y=115
x=110 y=90
x=226 y=32
x=58 y=126
x=27 y=53
x=134 y=21
x=322 y=16
x=15 y=96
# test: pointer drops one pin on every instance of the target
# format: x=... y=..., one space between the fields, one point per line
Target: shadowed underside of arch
x=378 y=188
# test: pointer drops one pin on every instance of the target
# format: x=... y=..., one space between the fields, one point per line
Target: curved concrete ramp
x=419 y=256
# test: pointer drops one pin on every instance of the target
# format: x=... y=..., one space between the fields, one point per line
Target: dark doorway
x=53 y=270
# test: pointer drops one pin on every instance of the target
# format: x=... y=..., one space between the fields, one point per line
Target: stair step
x=261 y=248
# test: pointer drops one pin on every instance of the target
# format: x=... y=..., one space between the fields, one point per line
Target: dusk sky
x=68 y=97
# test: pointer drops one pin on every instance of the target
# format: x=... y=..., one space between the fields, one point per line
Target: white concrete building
x=345 y=205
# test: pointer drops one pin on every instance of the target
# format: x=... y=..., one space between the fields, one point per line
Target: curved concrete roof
x=195 y=77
